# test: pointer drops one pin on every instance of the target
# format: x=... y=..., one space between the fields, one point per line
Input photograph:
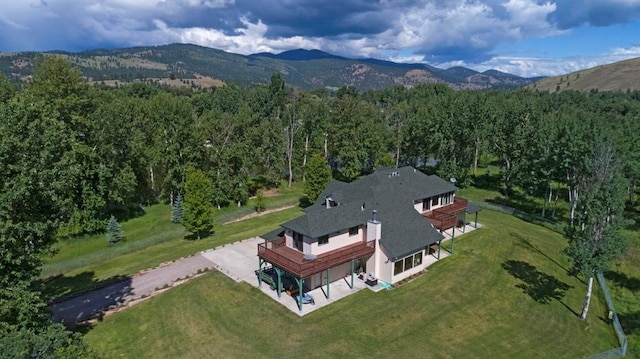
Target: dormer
x=330 y=202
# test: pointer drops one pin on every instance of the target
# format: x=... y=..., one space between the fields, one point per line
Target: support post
x=279 y=284
x=352 y=265
x=464 y=222
x=439 y=245
x=453 y=236
x=475 y=225
x=327 y=294
x=260 y=272
x=299 y=281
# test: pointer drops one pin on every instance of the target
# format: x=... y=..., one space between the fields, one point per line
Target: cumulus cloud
x=434 y=31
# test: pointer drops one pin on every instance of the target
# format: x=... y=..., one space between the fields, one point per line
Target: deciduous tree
x=594 y=240
x=197 y=215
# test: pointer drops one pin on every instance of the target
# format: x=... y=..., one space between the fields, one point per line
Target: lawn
x=505 y=293
x=623 y=279
x=83 y=263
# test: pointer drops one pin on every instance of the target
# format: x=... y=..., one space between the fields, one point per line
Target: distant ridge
x=617 y=76
x=299 y=55
x=193 y=65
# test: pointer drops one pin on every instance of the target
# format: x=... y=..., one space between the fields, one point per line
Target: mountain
x=618 y=76
x=184 y=65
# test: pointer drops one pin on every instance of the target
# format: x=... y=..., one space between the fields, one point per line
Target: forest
x=74 y=154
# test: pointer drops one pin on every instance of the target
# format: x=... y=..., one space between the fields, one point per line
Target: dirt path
x=256 y=214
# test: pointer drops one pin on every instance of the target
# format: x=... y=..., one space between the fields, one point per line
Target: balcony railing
x=277 y=253
x=446 y=217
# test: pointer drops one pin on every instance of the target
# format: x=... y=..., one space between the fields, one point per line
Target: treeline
x=122 y=147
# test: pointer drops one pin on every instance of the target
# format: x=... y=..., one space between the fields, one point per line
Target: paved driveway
x=237 y=260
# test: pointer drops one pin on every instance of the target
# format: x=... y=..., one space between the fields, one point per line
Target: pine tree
x=176 y=209
x=114 y=233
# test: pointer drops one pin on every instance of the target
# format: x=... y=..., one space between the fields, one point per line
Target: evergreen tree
x=176 y=209
x=260 y=205
x=594 y=240
x=114 y=233
x=318 y=176
x=197 y=215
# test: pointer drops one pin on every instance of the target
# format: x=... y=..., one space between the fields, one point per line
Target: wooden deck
x=277 y=253
x=447 y=217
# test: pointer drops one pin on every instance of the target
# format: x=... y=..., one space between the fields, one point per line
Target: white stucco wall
x=336 y=241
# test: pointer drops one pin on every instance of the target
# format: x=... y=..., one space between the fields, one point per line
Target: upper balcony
x=291 y=260
x=446 y=217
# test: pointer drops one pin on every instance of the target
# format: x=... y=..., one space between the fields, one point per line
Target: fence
x=622 y=338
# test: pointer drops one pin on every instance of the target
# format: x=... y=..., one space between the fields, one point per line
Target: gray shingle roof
x=390 y=192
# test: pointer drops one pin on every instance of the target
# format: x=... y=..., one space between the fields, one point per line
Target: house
x=384 y=224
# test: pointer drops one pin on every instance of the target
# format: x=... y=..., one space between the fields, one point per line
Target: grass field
x=83 y=263
x=505 y=293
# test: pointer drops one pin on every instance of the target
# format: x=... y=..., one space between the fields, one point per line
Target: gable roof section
x=392 y=193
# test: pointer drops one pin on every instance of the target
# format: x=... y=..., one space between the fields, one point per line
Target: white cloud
x=536 y=66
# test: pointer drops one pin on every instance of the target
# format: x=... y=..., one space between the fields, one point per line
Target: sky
x=523 y=37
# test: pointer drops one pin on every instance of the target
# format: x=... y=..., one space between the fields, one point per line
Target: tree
x=317 y=175
x=260 y=205
x=197 y=215
x=593 y=236
x=176 y=209
x=114 y=233
x=34 y=202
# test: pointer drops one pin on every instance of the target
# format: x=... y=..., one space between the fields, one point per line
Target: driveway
x=237 y=260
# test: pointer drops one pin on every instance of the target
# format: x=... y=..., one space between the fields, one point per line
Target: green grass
x=84 y=263
x=623 y=280
x=151 y=228
x=505 y=293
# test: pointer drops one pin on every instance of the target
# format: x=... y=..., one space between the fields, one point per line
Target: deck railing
x=277 y=253
x=447 y=217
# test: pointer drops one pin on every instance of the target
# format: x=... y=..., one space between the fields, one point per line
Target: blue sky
x=523 y=37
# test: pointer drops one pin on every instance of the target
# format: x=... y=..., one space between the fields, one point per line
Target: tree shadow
x=488 y=182
x=630 y=322
x=62 y=285
x=622 y=280
x=541 y=287
x=528 y=245
x=84 y=297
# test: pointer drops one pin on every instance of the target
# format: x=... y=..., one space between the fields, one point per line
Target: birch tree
x=594 y=240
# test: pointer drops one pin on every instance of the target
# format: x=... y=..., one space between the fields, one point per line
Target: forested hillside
x=73 y=154
x=199 y=67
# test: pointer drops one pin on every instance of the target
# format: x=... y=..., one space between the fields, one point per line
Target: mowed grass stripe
x=466 y=306
x=132 y=262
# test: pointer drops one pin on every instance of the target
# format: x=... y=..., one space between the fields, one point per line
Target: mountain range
x=305 y=69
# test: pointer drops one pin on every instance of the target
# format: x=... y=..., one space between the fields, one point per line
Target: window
x=435 y=200
x=446 y=199
x=398 y=267
x=323 y=240
x=407 y=263
x=417 y=259
x=353 y=231
x=426 y=204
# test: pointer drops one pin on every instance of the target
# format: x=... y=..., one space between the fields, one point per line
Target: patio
x=239 y=261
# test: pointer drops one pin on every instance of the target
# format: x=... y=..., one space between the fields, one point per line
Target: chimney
x=374 y=228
